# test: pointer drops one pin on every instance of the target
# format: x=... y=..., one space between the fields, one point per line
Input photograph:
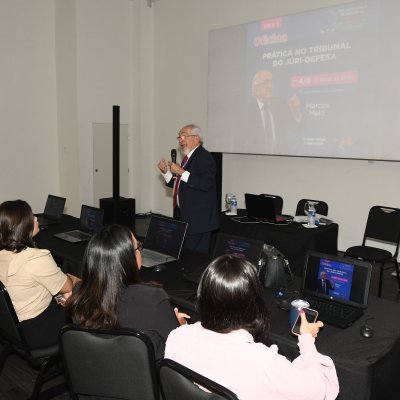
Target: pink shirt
x=253 y=370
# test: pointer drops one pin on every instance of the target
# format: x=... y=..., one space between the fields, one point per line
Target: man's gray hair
x=196 y=130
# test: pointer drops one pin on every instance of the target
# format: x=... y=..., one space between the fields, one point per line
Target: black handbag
x=275 y=271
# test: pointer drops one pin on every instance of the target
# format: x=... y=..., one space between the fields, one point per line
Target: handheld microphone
x=173 y=159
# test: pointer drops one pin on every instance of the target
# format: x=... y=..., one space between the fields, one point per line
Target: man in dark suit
x=324 y=285
x=194 y=188
x=269 y=120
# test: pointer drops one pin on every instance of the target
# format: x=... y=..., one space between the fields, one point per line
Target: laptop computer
x=163 y=242
x=260 y=208
x=248 y=248
x=53 y=211
x=90 y=221
x=342 y=298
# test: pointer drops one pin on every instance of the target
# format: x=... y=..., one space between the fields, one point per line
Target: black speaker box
x=119 y=211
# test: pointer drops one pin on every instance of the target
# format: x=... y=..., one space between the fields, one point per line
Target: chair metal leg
x=380 y=280
x=40 y=379
x=46 y=374
x=396 y=265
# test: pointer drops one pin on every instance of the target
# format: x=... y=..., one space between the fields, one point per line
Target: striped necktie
x=177 y=181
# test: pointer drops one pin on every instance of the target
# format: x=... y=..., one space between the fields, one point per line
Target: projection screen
x=322 y=83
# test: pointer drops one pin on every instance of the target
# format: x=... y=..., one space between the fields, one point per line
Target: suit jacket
x=198 y=196
x=253 y=136
x=328 y=286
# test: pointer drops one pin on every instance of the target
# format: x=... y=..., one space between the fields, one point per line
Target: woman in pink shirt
x=226 y=345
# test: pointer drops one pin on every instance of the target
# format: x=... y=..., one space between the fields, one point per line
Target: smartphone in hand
x=311 y=316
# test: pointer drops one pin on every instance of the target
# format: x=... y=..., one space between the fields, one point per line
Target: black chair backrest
x=117 y=364
x=278 y=202
x=320 y=208
x=180 y=383
x=10 y=327
x=383 y=224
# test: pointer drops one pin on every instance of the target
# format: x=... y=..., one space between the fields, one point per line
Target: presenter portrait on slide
x=270 y=120
x=194 y=188
x=324 y=285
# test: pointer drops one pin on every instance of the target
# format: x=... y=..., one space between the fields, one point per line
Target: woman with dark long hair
x=226 y=346
x=111 y=294
x=31 y=276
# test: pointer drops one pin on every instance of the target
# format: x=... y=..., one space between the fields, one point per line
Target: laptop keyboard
x=335 y=314
x=152 y=260
x=151 y=257
x=79 y=235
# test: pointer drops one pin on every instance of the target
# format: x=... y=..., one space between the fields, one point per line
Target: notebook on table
x=260 y=208
x=90 y=221
x=53 y=211
x=163 y=242
x=342 y=298
x=248 y=248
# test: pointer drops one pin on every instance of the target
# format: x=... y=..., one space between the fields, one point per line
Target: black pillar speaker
x=117 y=210
x=115 y=152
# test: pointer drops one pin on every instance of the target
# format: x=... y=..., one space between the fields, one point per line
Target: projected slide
x=335 y=279
x=309 y=84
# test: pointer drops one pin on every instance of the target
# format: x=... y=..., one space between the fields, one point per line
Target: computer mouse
x=366 y=331
x=159 y=268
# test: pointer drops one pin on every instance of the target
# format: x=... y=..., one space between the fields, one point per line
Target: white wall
x=29 y=149
x=67 y=104
x=104 y=75
x=65 y=63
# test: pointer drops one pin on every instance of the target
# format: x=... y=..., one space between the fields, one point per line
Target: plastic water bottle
x=311 y=216
x=233 y=205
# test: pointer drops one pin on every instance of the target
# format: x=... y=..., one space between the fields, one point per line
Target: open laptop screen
x=91 y=219
x=260 y=207
x=238 y=246
x=165 y=236
x=54 y=207
x=341 y=279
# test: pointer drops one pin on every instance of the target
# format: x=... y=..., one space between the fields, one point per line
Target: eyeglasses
x=181 y=136
x=139 y=246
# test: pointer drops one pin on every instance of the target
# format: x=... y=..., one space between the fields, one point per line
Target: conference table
x=367 y=368
x=292 y=239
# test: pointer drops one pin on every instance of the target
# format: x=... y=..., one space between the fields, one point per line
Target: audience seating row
x=106 y=364
x=121 y=364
